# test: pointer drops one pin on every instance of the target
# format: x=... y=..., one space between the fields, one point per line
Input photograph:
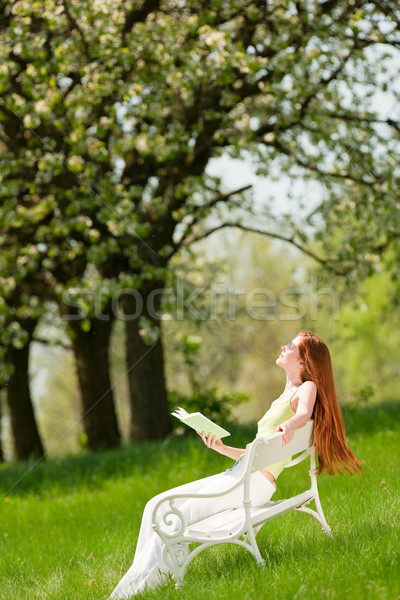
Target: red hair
x=329 y=434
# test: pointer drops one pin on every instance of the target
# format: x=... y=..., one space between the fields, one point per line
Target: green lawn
x=68 y=526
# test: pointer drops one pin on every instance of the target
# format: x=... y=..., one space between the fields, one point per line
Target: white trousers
x=148 y=568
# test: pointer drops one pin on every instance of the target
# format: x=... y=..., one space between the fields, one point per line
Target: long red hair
x=329 y=435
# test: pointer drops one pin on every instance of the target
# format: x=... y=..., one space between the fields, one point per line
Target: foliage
x=110 y=114
x=217 y=407
x=364 y=340
x=208 y=400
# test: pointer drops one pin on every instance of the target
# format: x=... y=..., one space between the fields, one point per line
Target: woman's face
x=289 y=357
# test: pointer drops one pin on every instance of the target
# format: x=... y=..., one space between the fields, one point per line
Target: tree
x=18 y=319
x=91 y=351
x=111 y=112
x=27 y=440
x=1 y=439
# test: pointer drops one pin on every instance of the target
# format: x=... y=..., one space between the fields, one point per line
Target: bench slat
x=273 y=451
x=230 y=521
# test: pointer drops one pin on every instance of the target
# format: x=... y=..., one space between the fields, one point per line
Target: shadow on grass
x=66 y=474
x=373 y=417
x=69 y=473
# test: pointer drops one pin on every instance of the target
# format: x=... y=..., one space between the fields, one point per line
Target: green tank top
x=275 y=415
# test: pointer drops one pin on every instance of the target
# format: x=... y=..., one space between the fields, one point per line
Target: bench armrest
x=167 y=517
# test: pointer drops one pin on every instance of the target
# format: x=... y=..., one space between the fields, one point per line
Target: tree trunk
x=26 y=436
x=1 y=418
x=91 y=349
x=150 y=418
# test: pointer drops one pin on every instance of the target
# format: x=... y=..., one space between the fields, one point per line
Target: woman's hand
x=211 y=441
x=288 y=432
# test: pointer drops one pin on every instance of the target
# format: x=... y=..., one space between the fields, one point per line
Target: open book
x=200 y=423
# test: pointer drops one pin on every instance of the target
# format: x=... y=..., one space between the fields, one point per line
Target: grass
x=68 y=526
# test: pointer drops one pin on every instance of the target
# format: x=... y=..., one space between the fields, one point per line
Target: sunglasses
x=291 y=346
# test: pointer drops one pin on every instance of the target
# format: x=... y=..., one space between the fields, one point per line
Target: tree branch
x=361 y=119
x=326 y=263
x=210 y=204
x=313 y=167
x=137 y=15
x=75 y=25
x=323 y=82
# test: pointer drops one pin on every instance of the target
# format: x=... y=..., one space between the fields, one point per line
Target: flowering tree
x=110 y=113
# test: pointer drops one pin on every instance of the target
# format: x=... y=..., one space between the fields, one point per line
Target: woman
x=309 y=392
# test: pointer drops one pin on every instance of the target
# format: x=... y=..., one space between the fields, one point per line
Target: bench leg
x=254 y=546
x=321 y=515
x=175 y=556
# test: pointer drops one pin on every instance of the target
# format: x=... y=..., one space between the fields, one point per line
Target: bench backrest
x=269 y=450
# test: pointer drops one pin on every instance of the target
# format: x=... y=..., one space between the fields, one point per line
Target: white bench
x=240 y=525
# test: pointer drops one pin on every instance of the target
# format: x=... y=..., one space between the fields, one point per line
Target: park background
x=184 y=187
